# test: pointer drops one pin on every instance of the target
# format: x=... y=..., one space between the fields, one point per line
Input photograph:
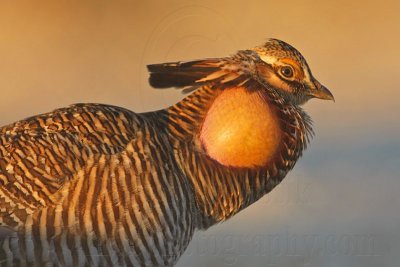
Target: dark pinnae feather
x=180 y=74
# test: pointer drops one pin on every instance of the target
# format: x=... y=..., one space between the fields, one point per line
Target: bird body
x=86 y=185
x=101 y=185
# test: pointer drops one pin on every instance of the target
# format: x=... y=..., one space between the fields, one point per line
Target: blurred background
x=338 y=207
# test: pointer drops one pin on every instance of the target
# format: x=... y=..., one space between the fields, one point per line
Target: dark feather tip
x=178 y=74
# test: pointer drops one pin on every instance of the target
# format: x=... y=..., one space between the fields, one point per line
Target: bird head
x=283 y=69
x=278 y=66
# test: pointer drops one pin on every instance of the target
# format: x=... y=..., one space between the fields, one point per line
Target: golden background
x=338 y=207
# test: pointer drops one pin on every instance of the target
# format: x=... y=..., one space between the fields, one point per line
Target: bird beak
x=321 y=92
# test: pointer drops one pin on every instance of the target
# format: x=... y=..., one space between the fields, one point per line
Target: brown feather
x=181 y=74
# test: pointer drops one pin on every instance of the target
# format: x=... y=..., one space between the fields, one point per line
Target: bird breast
x=241 y=129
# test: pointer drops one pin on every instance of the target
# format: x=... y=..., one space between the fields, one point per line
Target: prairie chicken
x=99 y=185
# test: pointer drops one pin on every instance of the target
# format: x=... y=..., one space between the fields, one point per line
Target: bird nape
x=94 y=184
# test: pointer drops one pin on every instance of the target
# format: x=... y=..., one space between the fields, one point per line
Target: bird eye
x=287 y=71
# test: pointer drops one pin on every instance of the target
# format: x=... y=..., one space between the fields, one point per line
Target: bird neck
x=231 y=172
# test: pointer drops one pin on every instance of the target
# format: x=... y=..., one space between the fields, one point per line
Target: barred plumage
x=84 y=183
x=100 y=185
